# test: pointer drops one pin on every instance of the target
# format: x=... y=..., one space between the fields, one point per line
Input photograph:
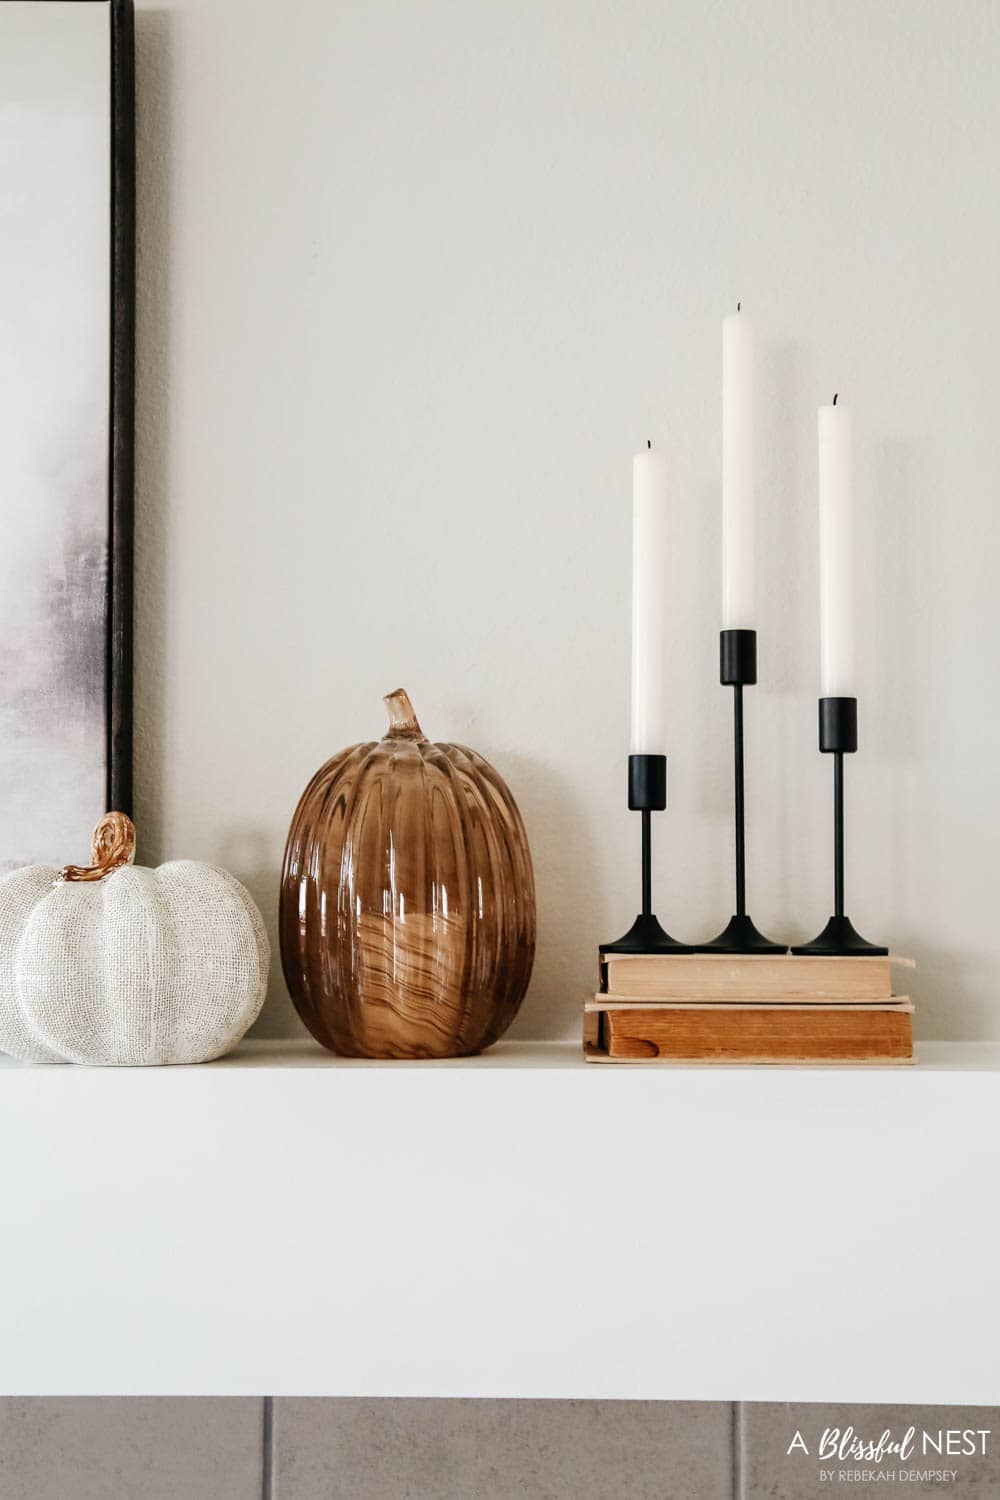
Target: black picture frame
x=121 y=466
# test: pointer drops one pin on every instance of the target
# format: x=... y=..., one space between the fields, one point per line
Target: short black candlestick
x=647 y=793
x=838 y=736
x=738 y=669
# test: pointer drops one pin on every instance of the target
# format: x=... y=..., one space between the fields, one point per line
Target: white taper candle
x=649 y=565
x=737 y=472
x=836 y=553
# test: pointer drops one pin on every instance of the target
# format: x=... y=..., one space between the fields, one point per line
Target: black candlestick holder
x=838 y=736
x=647 y=793
x=738 y=669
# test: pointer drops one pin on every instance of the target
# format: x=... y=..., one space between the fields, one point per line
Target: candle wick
x=649 y=442
x=834 y=400
x=738 y=306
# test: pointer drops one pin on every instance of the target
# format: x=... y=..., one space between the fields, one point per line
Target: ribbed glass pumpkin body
x=407 y=899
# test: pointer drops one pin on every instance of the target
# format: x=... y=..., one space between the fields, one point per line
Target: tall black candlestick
x=647 y=793
x=838 y=736
x=738 y=669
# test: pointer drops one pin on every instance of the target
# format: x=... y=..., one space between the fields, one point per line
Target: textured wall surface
x=415 y=280
x=164 y=1449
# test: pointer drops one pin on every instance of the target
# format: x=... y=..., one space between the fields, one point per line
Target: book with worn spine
x=763 y=1008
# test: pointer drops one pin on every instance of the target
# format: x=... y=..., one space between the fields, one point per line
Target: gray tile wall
x=81 y=1448
x=212 y=1449
x=500 y=1450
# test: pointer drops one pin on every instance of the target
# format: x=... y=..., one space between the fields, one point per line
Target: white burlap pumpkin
x=118 y=964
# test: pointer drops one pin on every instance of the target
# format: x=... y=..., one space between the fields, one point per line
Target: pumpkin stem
x=113 y=847
x=402 y=720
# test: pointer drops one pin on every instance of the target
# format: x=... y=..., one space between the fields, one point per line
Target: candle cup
x=647 y=793
x=838 y=736
x=738 y=669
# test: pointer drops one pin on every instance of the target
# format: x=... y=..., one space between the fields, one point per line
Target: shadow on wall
x=250 y=854
x=890 y=596
x=154 y=142
x=570 y=892
x=246 y=851
x=900 y=580
x=788 y=668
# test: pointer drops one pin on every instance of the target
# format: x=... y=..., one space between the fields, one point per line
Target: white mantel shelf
x=520 y=1224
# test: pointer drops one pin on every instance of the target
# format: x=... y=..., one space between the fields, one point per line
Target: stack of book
x=735 y=1008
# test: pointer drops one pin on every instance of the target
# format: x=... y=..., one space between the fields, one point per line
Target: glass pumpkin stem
x=113 y=847
x=402 y=720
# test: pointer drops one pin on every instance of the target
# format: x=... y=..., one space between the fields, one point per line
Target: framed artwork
x=67 y=334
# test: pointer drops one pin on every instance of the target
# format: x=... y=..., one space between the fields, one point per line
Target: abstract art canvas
x=66 y=339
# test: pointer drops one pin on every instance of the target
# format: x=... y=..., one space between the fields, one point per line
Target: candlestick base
x=646 y=936
x=839 y=938
x=741 y=936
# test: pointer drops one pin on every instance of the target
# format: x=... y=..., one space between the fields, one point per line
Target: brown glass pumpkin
x=407 y=899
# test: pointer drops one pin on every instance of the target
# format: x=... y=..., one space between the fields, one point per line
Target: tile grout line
x=267 y=1450
x=736 y=1441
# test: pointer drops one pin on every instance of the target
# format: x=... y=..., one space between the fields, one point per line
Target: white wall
x=415 y=281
